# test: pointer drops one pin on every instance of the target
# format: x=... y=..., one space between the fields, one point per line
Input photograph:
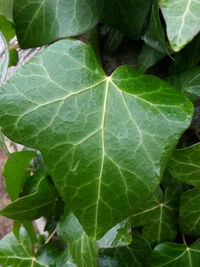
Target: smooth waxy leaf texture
x=182 y=19
x=83 y=250
x=184 y=165
x=33 y=206
x=133 y=255
x=190 y=212
x=41 y=22
x=157 y=215
x=14 y=253
x=16 y=172
x=173 y=255
x=187 y=81
x=98 y=134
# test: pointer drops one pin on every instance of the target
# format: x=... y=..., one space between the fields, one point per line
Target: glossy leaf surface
x=182 y=20
x=98 y=134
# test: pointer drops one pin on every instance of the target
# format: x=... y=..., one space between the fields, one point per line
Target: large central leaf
x=106 y=140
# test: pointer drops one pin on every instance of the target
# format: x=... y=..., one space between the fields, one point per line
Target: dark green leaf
x=14 y=253
x=184 y=165
x=190 y=212
x=32 y=206
x=98 y=134
x=16 y=172
x=148 y=57
x=182 y=20
x=83 y=250
x=157 y=215
x=119 y=15
x=131 y=256
x=175 y=255
x=187 y=81
x=155 y=35
x=41 y=22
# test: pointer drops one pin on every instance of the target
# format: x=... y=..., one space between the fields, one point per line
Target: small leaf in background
x=184 y=165
x=4 y=58
x=187 y=81
x=155 y=34
x=131 y=256
x=32 y=206
x=175 y=255
x=16 y=171
x=83 y=250
x=148 y=57
x=7 y=28
x=119 y=15
x=157 y=215
x=190 y=213
x=68 y=111
x=14 y=253
x=182 y=21
x=41 y=22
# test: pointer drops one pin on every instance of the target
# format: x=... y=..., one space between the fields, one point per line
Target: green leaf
x=184 y=165
x=187 y=81
x=119 y=15
x=174 y=255
x=148 y=57
x=16 y=172
x=6 y=9
x=182 y=20
x=132 y=256
x=41 y=22
x=83 y=250
x=155 y=35
x=32 y=206
x=118 y=236
x=7 y=28
x=4 y=58
x=14 y=253
x=157 y=215
x=68 y=111
x=190 y=213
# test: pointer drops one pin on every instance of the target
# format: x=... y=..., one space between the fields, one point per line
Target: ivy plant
x=110 y=156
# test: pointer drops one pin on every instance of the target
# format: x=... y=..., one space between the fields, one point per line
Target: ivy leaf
x=157 y=215
x=94 y=131
x=41 y=22
x=133 y=255
x=190 y=213
x=32 y=206
x=155 y=35
x=187 y=81
x=6 y=9
x=4 y=58
x=172 y=254
x=83 y=250
x=128 y=24
x=14 y=253
x=182 y=19
x=15 y=172
x=184 y=165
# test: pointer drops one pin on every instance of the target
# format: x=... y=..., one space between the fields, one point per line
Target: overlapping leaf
x=184 y=165
x=173 y=254
x=14 y=253
x=157 y=215
x=98 y=134
x=182 y=20
x=190 y=212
